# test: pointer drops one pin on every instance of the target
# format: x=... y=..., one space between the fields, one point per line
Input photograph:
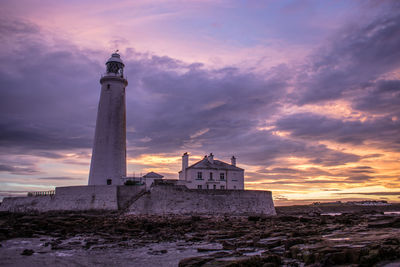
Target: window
x=222 y=176
x=109 y=181
x=234 y=187
x=108 y=86
x=211 y=175
x=199 y=186
x=215 y=186
x=222 y=187
x=234 y=177
x=208 y=187
x=199 y=176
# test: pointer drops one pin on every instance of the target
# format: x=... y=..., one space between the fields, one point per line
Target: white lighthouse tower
x=108 y=163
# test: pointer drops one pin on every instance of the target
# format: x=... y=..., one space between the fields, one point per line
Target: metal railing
x=42 y=193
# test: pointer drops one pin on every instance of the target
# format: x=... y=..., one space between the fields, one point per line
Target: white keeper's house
x=209 y=173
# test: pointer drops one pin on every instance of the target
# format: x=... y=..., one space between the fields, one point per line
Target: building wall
x=233 y=179
x=180 y=200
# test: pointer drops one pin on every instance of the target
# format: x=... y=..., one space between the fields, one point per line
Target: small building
x=147 y=179
x=210 y=173
x=150 y=177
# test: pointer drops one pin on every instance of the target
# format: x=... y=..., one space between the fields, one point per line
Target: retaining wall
x=165 y=199
x=27 y=204
x=127 y=194
x=92 y=197
x=71 y=198
x=161 y=199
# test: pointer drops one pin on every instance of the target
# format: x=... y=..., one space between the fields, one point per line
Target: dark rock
x=288 y=218
x=195 y=218
x=395 y=223
x=253 y=218
x=194 y=261
x=387 y=253
x=391 y=241
x=293 y=241
x=27 y=252
x=334 y=258
x=267 y=260
x=207 y=249
x=370 y=259
x=157 y=252
x=228 y=245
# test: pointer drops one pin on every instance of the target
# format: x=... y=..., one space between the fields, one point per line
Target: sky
x=305 y=94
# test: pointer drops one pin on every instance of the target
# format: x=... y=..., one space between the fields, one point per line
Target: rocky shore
x=290 y=239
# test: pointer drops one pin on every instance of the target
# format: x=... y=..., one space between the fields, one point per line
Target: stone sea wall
x=166 y=199
x=27 y=204
x=92 y=197
x=76 y=198
x=160 y=199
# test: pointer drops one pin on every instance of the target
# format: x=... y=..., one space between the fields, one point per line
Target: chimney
x=185 y=161
x=211 y=158
x=233 y=161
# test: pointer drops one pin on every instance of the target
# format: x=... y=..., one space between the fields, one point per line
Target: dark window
x=222 y=176
x=109 y=181
x=222 y=187
x=234 y=177
x=211 y=175
x=208 y=187
x=215 y=186
x=200 y=176
x=199 y=186
x=108 y=86
x=234 y=187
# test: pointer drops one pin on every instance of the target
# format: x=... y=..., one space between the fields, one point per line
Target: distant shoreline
x=335 y=208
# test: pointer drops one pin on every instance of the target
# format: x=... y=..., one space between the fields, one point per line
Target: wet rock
x=157 y=252
x=293 y=241
x=370 y=259
x=253 y=218
x=288 y=218
x=228 y=245
x=391 y=241
x=395 y=223
x=27 y=252
x=194 y=261
x=207 y=249
x=262 y=261
x=387 y=253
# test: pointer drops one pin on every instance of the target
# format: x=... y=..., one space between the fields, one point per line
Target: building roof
x=217 y=165
x=153 y=175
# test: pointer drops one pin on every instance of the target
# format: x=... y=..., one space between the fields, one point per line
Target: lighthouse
x=108 y=164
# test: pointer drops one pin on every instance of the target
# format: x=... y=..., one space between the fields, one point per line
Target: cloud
x=356 y=55
x=18 y=170
x=311 y=126
x=50 y=92
x=381 y=97
x=169 y=102
x=58 y=178
x=371 y=193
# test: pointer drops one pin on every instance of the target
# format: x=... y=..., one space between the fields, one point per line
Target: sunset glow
x=305 y=94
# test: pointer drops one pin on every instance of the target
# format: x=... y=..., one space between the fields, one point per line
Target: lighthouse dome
x=114 y=64
x=115 y=57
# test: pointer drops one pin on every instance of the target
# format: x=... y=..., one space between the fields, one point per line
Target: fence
x=41 y=193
